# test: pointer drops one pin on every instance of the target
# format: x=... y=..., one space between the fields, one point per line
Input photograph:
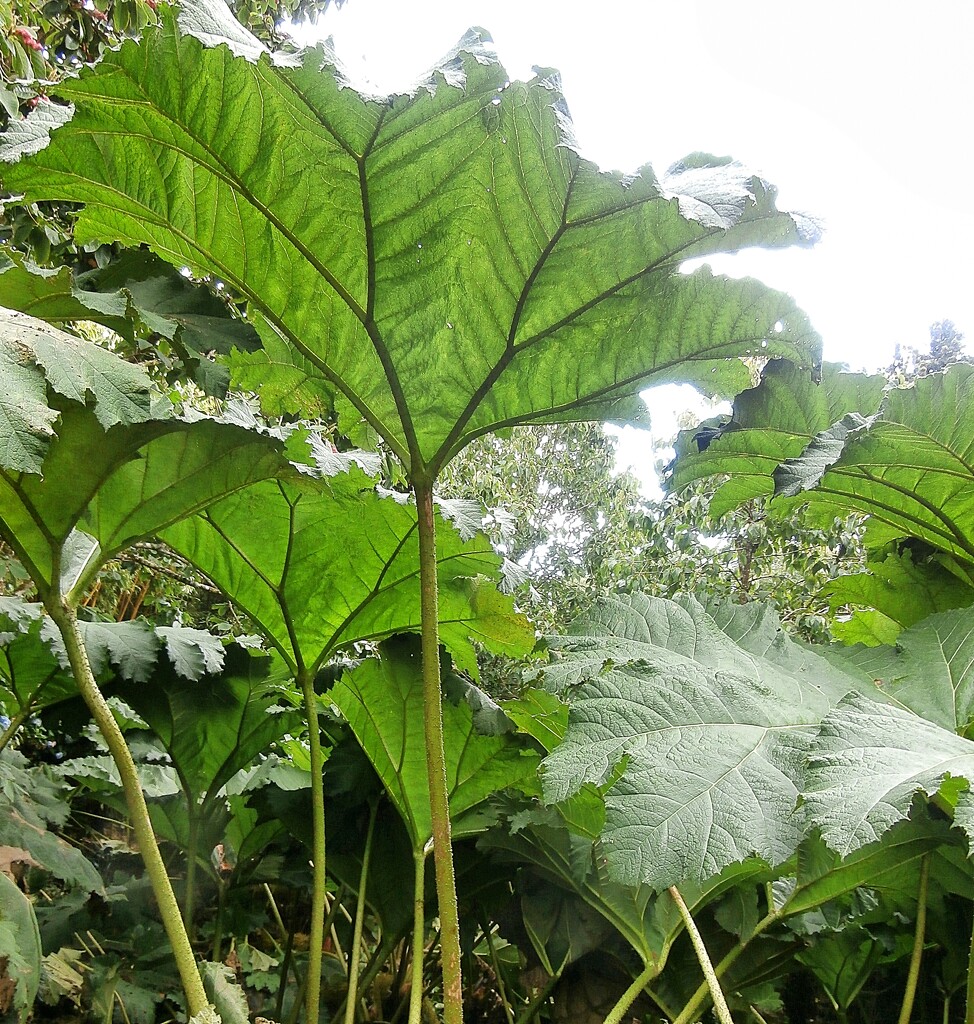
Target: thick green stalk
x=919 y=936
x=67 y=622
x=353 y=965
x=446 y=886
x=419 y=938
x=706 y=965
x=695 y=1005
x=631 y=994
x=318 y=900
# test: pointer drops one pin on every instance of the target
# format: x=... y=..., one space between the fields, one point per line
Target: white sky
x=860 y=112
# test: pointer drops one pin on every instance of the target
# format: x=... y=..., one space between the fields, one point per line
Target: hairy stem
x=446 y=887
x=353 y=965
x=706 y=965
x=919 y=935
x=695 y=1005
x=419 y=937
x=66 y=620
x=631 y=994
x=312 y=992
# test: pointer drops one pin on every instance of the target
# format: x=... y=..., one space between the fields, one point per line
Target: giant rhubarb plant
x=430 y=267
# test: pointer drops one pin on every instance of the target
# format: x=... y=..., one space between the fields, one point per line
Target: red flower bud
x=27 y=38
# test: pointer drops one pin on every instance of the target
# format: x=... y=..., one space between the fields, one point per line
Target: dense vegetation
x=250 y=759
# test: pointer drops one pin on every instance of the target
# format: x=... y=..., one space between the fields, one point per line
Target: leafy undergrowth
x=331 y=819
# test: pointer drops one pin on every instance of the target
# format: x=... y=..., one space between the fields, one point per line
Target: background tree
x=579 y=530
x=39 y=41
x=556 y=507
x=946 y=347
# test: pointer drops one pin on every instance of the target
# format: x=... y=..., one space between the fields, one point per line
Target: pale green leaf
x=20 y=952
x=193 y=652
x=930 y=670
x=869 y=762
x=30 y=800
x=226 y=994
x=710 y=739
x=33 y=357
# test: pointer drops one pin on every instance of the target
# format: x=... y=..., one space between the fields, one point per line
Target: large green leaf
x=908 y=468
x=904 y=462
x=439 y=264
x=20 y=953
x=756 y=629
x=538 y=842
x=34 y=668
x=31 y=675
x=51 y=295
x=711 y=734
x=896 y=592
x=728 y=739
x=770 y=423
x=34 y=358
x=320 y=564
x=930 y=670
x=382 y=702
x=30 y=801
x=114 y=471
x=821 y=875
x=137 y=290
x=869 y=762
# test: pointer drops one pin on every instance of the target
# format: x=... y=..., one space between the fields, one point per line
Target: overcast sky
x=860 y=113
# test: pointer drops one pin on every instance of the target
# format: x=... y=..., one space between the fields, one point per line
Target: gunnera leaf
x=708 y=739
x=471 y=269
